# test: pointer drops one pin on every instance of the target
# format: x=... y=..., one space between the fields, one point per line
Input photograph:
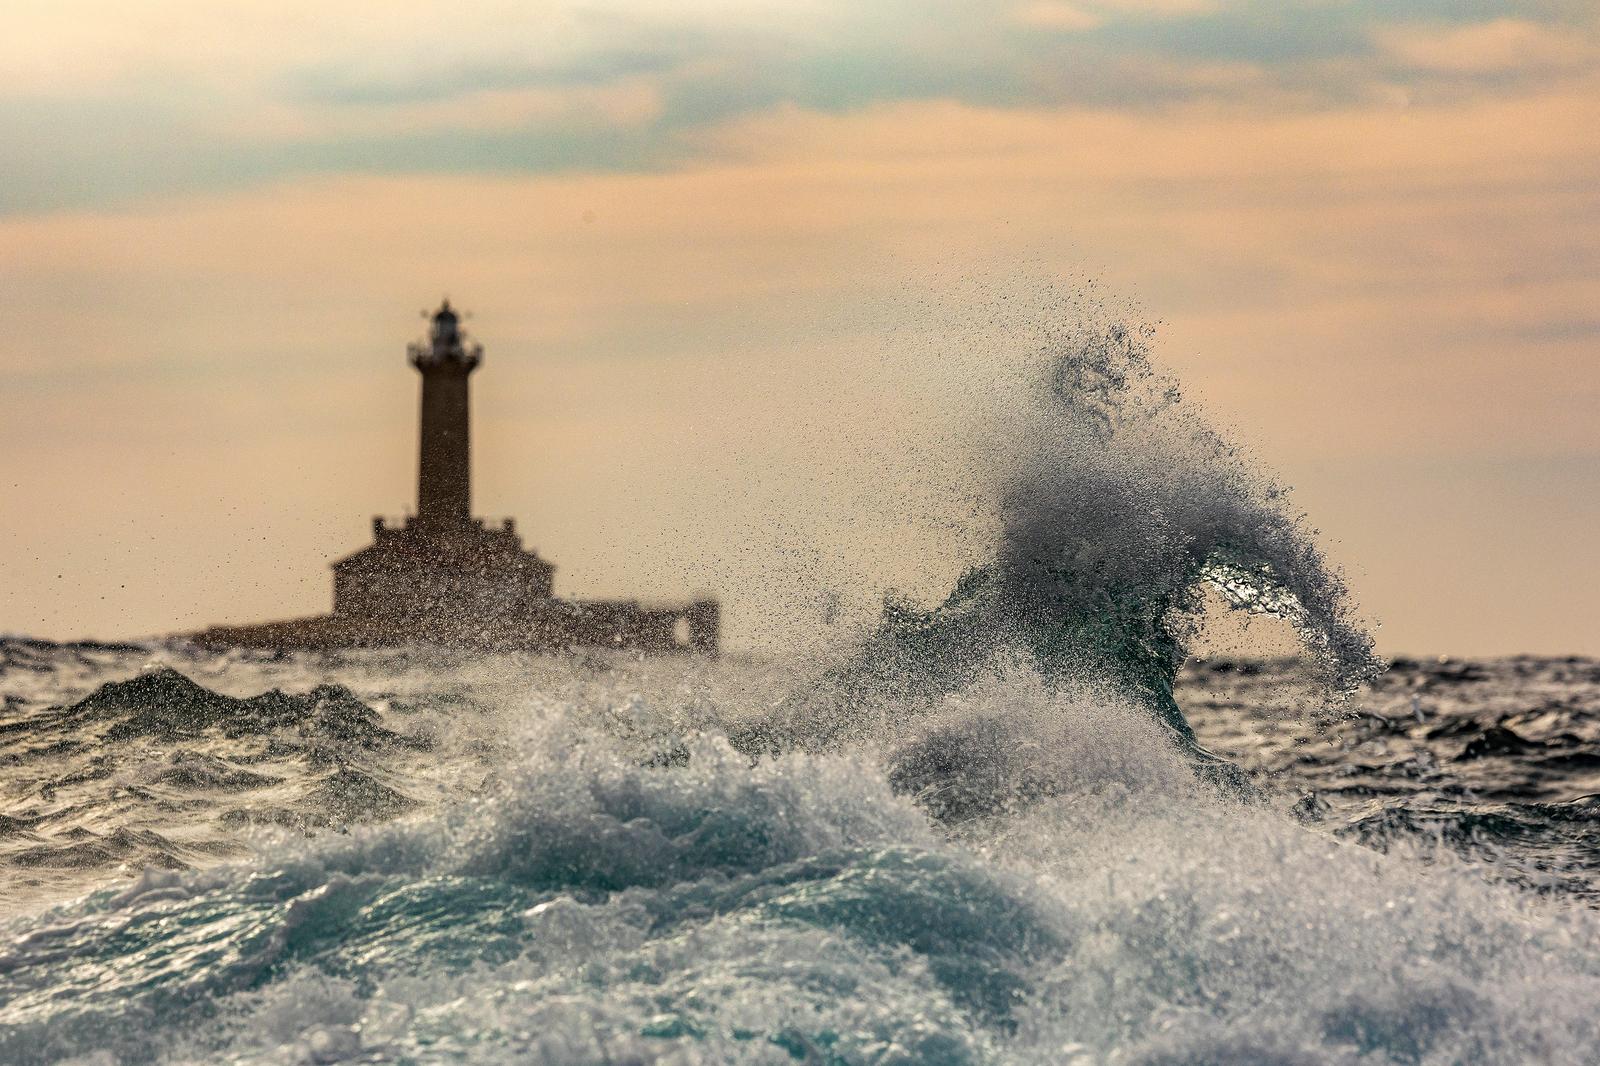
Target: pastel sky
x=747 y=271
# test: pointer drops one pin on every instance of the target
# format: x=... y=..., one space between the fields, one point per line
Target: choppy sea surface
x=420 y=857
x=1022 y=825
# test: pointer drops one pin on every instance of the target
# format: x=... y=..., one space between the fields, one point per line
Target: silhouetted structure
x=443 y=577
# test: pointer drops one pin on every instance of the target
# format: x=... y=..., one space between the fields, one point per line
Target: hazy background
x=740 y=268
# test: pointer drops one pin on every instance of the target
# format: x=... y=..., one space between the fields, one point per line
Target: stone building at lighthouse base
x=444 y=577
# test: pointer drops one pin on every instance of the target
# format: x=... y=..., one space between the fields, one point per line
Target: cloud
x=1497 y=47
x=631 y=102
x=117 y=103
x=1055 y=15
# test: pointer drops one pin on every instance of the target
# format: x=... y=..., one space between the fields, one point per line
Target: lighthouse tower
x=444 y=468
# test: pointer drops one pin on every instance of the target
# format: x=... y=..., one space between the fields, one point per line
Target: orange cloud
x=1055 y=15
x=1500 y=46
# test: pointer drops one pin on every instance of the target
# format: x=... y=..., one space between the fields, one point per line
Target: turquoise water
x=589 y=907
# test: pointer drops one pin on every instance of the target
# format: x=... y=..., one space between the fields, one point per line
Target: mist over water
x=1007 y=827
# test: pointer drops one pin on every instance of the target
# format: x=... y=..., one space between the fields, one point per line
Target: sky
x=745 y=273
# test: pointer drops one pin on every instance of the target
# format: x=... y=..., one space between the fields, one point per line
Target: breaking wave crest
x=1123 y=504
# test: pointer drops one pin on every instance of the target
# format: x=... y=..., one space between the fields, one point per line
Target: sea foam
x=593 y=907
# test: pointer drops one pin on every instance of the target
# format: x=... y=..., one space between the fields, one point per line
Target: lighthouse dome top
x=446 y=343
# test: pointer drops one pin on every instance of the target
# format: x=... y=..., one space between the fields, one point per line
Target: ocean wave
x=594 y=907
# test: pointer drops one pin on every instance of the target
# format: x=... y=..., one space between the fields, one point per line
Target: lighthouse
x=444 y=465
x=445 y=577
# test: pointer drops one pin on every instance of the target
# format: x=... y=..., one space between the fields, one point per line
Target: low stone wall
x=560 y=624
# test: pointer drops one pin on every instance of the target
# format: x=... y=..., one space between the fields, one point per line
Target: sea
x=1031 y=821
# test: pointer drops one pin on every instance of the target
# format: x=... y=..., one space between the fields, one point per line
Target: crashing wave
x=1118 y=507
